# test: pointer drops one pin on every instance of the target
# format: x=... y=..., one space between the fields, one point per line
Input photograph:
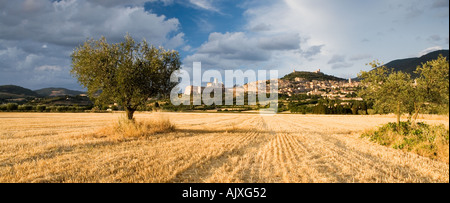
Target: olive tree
x=395 y=91
x=127 y=73
x=390 y=91
x=432 y=86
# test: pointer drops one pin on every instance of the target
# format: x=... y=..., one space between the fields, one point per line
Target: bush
x=3 y=107
x=25 y=108
x=422 y=139
x=80 y=109
x=71 y=108
x=40 y=108
x=62 y=108
x=53 y=108
x=12 y=106
x=371 y=111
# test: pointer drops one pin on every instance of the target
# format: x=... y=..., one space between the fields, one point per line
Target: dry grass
x=126 y=129
x=38 y=147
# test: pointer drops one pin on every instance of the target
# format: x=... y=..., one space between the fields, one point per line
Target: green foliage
x=388 y=90
x=49 y=92
x=309 y=76
x=25 y=108
x=12 y=106
x=17 y=91
x=40 y=108
x=127 y=73
x=421 y=138
x=431 y=87
x=396 y=92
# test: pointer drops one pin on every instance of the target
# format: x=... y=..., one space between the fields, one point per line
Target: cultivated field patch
x=249 y=148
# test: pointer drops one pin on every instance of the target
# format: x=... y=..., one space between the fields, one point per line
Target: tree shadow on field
x=219 y=131
x=57 y=151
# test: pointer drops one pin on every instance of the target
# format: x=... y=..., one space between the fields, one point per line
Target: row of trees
x=11 y=107
x=395 y=91
x=329 y=106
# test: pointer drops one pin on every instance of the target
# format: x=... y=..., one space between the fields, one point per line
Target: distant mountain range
x=409 y=65
x=14 y=92
x=55 y=92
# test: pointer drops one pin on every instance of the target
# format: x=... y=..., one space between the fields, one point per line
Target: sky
x=339 y=37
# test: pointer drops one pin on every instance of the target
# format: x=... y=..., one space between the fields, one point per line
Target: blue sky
x=337 y=36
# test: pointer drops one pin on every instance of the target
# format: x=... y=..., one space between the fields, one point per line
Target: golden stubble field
x=250 y=148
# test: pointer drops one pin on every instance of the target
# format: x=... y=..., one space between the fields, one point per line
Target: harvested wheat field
x=250 y=148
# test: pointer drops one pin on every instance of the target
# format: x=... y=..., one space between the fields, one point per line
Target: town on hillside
x=331 y=88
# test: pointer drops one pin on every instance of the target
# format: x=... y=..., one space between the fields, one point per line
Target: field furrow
x=243 y=148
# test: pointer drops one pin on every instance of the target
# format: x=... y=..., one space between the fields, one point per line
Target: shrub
x=40 y=108
x=12 y=106
x=125 y=128
x=53 y=108
x=25 y=108
x=62 y=108
x=71 y=108
x=3 y=107
x=422 y=139
x=371 y=111
x=81 y=109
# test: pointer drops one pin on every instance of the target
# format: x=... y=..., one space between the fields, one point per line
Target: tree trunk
x=417 y=108
x=399 y=114
x=130 y=113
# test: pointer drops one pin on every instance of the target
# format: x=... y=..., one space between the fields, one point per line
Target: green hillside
x=55 y=92
x=13 y=92
x=409 y=65
x=310 y=76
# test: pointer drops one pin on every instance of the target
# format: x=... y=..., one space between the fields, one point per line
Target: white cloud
x=48 y=68
x=204 y=4
x=187 y=48
x=237 y=49
x=70 y=22
x=429 y=50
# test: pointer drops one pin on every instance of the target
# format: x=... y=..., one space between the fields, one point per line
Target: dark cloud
x=337 y=59
x=280 y=42
x=37 y=37
x=341 y=65
x=312 y=51
x=338 y=62
x=68 y=23
x=440 y=4
x=261 y=27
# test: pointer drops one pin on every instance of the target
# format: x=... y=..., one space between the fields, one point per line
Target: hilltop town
x=310 y=83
